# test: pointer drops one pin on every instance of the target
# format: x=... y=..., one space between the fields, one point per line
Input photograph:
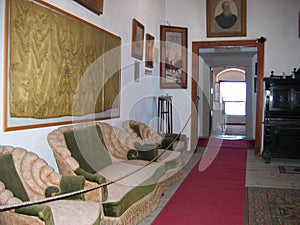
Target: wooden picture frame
x=226 y=18
x=173 y=57
x=138 y=32
x=149 y=57
x=95 y=6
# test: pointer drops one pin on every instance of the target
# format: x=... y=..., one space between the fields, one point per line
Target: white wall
x=117 y=18
x=276 y=20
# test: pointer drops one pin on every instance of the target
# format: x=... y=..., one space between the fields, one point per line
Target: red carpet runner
x=215 y=196
x=226 y=143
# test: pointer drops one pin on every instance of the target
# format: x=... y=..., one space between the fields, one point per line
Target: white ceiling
x=228 y=56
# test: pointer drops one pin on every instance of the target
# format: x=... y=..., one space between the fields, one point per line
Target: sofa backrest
x=7 y=197
x=118 y=141
x=34 y=173
x=87 y=146
x=10 y=177
x=146 y=133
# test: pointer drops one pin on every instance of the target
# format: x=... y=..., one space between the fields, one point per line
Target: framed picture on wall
x=226 y=18
x=95 y=6
x=138 y=32
x=149 y=62
x=173 y=57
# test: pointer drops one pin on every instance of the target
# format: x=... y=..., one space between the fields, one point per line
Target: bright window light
x=234 y=97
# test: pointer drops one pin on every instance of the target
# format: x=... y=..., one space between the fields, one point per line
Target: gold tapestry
x=58 y=66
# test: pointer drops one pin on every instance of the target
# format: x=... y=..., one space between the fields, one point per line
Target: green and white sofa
x=106 y=154
x=26 y=177
x=174 y=141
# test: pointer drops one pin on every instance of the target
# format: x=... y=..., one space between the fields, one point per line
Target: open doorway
x=207 y=47
x=231 y=70
x=230 y=100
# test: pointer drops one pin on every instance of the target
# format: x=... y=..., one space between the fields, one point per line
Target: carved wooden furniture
x=282 y=117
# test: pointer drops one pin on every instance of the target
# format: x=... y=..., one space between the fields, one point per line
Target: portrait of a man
x=226 y=19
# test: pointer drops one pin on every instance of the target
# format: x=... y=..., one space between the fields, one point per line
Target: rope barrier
x=83 y=191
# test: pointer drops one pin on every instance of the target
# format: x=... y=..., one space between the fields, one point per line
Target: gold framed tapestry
x=59 y=68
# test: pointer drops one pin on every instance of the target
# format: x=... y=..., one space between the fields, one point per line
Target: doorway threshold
x=229 y=137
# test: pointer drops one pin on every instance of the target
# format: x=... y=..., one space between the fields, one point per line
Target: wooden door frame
x=259 y=85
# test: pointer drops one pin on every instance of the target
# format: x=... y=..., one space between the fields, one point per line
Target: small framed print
x=226 y=18
x=149 y=62
x=173 y=57
x=138 y=32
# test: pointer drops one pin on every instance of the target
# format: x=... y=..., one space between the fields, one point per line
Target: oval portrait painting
x=226 y=14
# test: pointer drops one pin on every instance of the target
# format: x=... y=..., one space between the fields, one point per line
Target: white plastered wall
x=117 y=19
x=276 y=20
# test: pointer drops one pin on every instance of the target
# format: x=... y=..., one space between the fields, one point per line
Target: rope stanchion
x=83 y=191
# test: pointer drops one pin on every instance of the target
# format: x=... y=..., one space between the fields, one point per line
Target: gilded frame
x=173 y=57
x=226 y=18
x=138 y=33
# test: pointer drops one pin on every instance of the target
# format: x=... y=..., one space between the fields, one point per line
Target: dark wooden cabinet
x=282 y=117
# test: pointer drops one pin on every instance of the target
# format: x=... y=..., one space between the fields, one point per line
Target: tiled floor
x=258 y=174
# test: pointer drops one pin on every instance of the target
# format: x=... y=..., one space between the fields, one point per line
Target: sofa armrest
x=142 y=155
x=68 y=184
x=51 y=191
x=146 y=152
x=72 y=183
x=169 y=138
x=94 y=178
x=41 y=211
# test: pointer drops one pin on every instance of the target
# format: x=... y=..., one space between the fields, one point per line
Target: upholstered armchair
x=26 y=177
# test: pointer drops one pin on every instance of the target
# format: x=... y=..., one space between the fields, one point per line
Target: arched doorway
x=230 y=100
